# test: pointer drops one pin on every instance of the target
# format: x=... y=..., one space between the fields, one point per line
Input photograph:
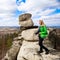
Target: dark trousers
x=41 y=44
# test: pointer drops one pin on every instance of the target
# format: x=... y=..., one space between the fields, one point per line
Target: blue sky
x=48 y=10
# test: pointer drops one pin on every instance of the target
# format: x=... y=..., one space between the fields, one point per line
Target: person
x=42 y=35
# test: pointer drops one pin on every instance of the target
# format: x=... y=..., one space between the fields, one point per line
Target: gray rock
x=17 y=38
x=30 y=35
x=25 y=20
x=50 y=57
x=24 y=17
x=28 y=51
x=13 y=51
x=27 y=23
x=54 y=37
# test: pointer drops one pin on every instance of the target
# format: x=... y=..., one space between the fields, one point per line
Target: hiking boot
x=39 y=51
x=47 y=52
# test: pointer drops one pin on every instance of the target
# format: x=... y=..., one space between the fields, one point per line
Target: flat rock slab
x=50 y=57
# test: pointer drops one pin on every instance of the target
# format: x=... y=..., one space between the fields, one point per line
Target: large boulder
x=28 y=51
x=30 y=35
x=25 y=20
x=24 y=17
x=26 y=23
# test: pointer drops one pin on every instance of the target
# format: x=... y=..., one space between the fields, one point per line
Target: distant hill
x=8 y=29
x=53 y=26
x=9 y=26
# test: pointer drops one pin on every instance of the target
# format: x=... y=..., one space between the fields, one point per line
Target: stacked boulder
x=25 y=20
x=30 y=45
x=29 y=30
x=29 y=48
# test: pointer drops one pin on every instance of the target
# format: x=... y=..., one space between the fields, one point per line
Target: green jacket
x=43 y=32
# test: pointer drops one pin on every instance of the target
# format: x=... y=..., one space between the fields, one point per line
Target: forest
x=6 y=42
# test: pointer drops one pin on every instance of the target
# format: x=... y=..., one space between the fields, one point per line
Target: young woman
x=42 y=35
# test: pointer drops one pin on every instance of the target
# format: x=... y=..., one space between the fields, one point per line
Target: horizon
x=34 y=25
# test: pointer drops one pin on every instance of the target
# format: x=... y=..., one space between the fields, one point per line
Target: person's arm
x=37 y=31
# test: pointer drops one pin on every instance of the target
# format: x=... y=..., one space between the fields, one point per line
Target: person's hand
x=36 y=33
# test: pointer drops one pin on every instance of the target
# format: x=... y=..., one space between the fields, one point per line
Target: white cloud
x=7 y=5
x=46 y=12
x=52 y=20
x=55 y=16
x=9 y=22
x=40 y=9
x=32 y=5
x=37 y=7
x=7 y=15
x=42 y=13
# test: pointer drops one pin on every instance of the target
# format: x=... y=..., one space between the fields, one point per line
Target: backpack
x=43 y=31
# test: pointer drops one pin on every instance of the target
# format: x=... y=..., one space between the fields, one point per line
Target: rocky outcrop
x=29 y=48
x=28 y=51
x=25 y=46
x=54 y=37
x=13 y=51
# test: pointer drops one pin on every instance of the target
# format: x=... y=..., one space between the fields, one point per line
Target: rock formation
x=13 y=51
x=25 y=46
x=25 y=20
x=54 y=37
